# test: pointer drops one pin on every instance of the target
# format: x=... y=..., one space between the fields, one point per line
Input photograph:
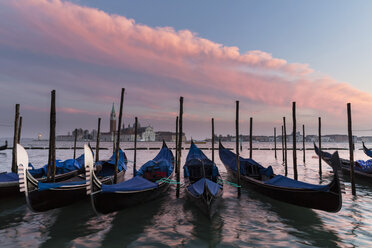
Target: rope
x=229 y=183
x=174 y=182
x=170 y=181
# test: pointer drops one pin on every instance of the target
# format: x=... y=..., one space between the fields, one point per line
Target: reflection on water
x=253 y=220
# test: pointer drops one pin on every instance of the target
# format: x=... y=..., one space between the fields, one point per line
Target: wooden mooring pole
x=98 y=139
x=283 y=144
x=320 y=144
x=179 y=147
x=15 y=140
x=250 y=136
x=351 y=148
x=117 y=147
x=135 y=146
x=75 y=138
x=275 y=142
x=212 y=140
x=19 y=130
x=294 y=141
x=285 y=148
x=303 y=143
x=176 y=150
x=53 y=133
x=237 y=146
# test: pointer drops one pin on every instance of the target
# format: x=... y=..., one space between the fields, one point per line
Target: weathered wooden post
x=294 y=141
x=19 y=130
x=98 y=139
x=117 y=147
x=320 y=144
x=15 y=140
x=351 y=148
x=212 y=140
x=179 y=147
x=113 y=140
x=135 y=146
x=237 y=147
x=75 y=138
x=283 y=144
x=285 y=148
x=303 y=143
x=52 y=141
x=176 y=150
x=275 y=141
x=250 y=136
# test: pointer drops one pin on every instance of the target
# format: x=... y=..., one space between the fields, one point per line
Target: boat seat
x=154 y=173
x=253 y=171
x=196 y=172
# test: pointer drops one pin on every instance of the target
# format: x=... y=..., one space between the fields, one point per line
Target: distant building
x=113 y=120
x=148 y=134
x=366 y=139
x=337 y=137
x=168 y=136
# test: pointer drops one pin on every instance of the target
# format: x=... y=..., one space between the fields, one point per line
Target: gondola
x=203 y=182
x=149 y=183
x=4 y=146
x=345 y=165
x=9 y=181
x=367 y=151
x=45 y=196
x=323 y=197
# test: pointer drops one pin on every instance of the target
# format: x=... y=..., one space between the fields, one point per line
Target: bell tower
x=113 y=120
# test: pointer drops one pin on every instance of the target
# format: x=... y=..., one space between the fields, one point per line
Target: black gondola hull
x=105 y=203
x=345 y=166
x=208 y=207
x=40 y=201
x=329 y=201
x=11 y=189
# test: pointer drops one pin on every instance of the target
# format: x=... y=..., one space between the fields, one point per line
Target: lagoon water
x=251 y=221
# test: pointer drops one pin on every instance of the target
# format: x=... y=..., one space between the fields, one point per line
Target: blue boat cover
x=364 y=166
x=194 y=157
x=122 y=164
x=229 y=159
x=367 y=151
x=197 y=188
x=283 y=181
x=163 y=162
x=62 y=167
x=8 y=177
x=134 y=184
x=46 y=186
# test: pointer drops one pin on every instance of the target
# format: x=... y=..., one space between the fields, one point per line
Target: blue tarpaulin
x=163 y=162
x=364 y=166
x=122 y=163
x=229 y=159
x=134 y=184
x=61 y=167
x=46 y=186
x=8 y=177
x=283 y=181
x=196 y=158
x=197 y=188
x=367 y=151
x=267 y=171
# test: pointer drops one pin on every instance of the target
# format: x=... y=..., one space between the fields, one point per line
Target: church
x=127 y=134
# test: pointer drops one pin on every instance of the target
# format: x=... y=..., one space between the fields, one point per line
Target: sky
x=266 y=54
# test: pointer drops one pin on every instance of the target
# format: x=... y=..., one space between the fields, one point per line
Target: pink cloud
x=203 y=71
